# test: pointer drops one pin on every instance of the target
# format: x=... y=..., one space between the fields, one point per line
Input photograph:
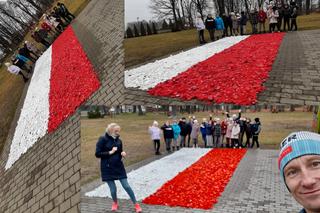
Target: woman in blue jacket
x=219 y=26
x=109 y=149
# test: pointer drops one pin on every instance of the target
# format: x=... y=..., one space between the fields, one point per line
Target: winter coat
x=286 y=13
x=219 y=23
x=256 y=128
x=195 y=131
x=243 y=20
x=224 y=126
x=184 y=128
x=176 y=131
x=199 y=24
x=203 y=129
x=217 y=130
x=229 y=130
x=111 y=166
x=155 y=133
x=24 y=51
x=210 y=23
x=235 y=131
x=273 y=16
x=248 y=129
x=209 y=129
x=262 y=16
x=234 y=22
x=189 y=127
x=254 y=18
x=167 y=131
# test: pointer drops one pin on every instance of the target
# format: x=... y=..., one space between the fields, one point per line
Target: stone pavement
x=255 y=187
x=295 y=76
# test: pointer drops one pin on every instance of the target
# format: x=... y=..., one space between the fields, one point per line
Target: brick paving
x=295 y=76
x=255 y=187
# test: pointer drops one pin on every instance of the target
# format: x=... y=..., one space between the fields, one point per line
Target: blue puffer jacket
x=111 y=166
x=219 y=23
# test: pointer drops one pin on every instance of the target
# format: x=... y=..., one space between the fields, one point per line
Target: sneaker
x=114 y=206
x=138 y=208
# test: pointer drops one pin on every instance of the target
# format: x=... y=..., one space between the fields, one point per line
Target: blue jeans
x=125 y=185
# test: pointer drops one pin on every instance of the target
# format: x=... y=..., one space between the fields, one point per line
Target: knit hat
x=297 y=144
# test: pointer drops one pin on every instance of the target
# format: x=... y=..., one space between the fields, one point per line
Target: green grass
x=138 y=145
x=11 y=86
x=139 y=50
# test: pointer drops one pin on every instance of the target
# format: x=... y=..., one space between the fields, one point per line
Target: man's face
x=302 y=176
x=116 y=131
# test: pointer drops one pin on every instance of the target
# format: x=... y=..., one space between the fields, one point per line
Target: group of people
x=22 y=61
x=233 y=24
x=215 y=133
x=299 y=161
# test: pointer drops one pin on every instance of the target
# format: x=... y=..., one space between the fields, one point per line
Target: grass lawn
x=143 y=49
x=138 y=145
x=11 y=86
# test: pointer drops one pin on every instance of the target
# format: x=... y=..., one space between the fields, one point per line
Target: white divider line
x=147 y=179
x=149 y=75
x=33 y=120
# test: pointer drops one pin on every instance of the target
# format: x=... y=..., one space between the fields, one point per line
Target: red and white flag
x=230 y=70
x=63 y=79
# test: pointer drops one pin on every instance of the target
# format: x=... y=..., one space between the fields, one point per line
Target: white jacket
x=273 y=16
x=235 y=131
x=199 y=24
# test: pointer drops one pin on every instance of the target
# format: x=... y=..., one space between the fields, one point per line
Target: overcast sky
x=137 y=8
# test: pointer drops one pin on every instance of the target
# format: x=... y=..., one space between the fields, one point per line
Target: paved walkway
x=295 y=75
x=255 y=187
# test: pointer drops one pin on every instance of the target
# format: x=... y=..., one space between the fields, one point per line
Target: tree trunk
x=307 y=7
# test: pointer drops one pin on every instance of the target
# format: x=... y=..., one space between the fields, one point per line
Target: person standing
x=254 y=21
x=294 y=14
x=210 y=26
x=280 y=17
x=262 y=16
x=109 y=149
x=168 y=135
x=286 y=17
x=204 y=131
x=243 y=23
x=155 y=132
x=235 y=134
x=194 y=133
x=176 y=132
x=13 y=69
x=209 y=133
x=224 y=126
x=189 y=129
x=229 y=133
x=200 y=28
x=217 y=133
x=184 y=132
x=248 y=132
x=235 y=25
x=219 y=26
x=273 y=18
x=256 y=129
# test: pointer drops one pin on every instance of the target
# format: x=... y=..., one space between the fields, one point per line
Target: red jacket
x=223 y=128
x=262 y=16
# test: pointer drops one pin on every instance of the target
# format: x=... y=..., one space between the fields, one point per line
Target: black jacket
x=184 y=128
x=111 y=166
x=210 y=24
x=167 y=131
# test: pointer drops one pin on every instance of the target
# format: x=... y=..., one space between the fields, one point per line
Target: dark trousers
x=168 y=143
x=279 y=23
x=248 y=137
x=294 y=23
x=235 y=142
x=286 y=22
x=241 y=138
x=204 y=139
x=156 y=146
x=211 y=33
x=182 y=141
x=201 y=36
x=255 y=139
x=189 y=138
x=272 y=27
